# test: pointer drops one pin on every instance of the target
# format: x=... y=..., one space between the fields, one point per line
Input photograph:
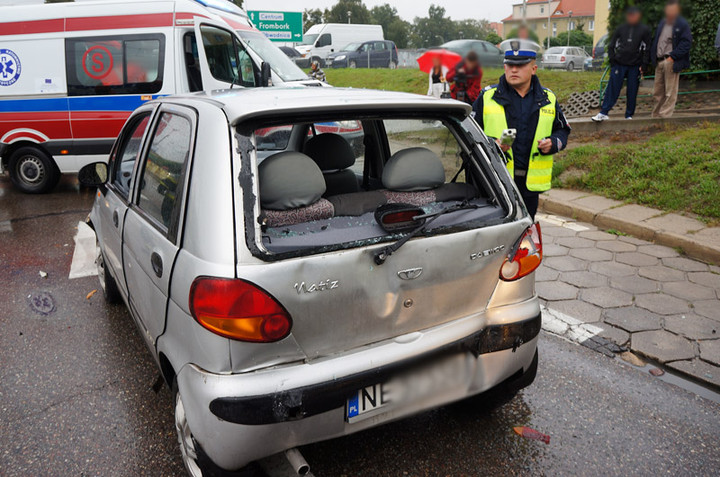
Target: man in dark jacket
x=671 y=53
x=520 y=102
x=629 y=52
x=466 y=79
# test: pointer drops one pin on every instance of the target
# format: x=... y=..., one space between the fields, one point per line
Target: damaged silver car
x=293 y=287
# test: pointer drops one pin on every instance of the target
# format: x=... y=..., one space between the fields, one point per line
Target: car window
x=227 y=59
x=130 y=64
x=380 y=46
x=161 y=178
x=275 y=138
x=367 y=46
x=127 y=153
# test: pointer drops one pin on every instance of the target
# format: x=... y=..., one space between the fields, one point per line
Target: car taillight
x=525 y=257
x=238 y=310
x=562 y=59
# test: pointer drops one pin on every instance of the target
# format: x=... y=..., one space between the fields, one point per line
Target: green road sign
x=279 y=26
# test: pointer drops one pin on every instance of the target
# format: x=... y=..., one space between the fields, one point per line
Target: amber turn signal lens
x=526 y=257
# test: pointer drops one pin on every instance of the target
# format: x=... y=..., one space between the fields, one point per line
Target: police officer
x=519 y=102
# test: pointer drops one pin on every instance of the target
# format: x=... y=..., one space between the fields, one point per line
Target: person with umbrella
x=520 y=102
x=466 y=79
x=437 y=63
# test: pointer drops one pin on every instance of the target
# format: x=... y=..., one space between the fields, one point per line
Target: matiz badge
x=487 y=253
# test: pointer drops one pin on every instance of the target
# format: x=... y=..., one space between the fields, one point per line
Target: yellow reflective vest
x=539 y=174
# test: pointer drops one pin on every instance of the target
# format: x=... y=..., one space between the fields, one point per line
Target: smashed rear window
x=332 y=184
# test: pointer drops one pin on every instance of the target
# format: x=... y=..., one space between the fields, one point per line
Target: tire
x=109 y=287
x=33 y=171
x=353 y=64
x=188 y=449
x=392 y=65
x=571 y=66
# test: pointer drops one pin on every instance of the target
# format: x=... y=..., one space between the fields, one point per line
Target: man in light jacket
x=671 y=53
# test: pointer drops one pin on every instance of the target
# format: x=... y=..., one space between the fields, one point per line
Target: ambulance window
x=227 y=59
x=128 y=64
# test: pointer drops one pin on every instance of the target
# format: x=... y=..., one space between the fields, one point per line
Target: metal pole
x=548 y=28
x=569 y=23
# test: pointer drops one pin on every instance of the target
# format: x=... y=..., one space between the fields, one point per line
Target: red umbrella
x=448 y=59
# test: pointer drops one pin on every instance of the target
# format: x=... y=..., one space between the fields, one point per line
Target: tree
x=395 y=28
x=472 y=29
x=577 y=38
x=339 y=12
x=434 y=29
x=514 y=34
x=312 y=17
x=703 y=16
x=493 y=38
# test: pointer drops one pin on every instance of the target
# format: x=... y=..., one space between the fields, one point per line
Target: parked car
x=369 y=54
x=82 y=68
x=490 y=55
x=294 y=291
x=324 y=39
x=600 y=53
x=563 y=57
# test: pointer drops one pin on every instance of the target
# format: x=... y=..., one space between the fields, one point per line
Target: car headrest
x=331 y=152
x=289 y=180
x=413 y=169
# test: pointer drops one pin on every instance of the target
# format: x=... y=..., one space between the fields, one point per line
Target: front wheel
x=570 y=66
x=353 y=64
x=33 y=171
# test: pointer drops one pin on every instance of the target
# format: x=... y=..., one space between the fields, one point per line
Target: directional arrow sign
x=278 y=26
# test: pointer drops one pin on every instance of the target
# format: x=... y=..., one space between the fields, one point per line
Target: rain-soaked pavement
x=76 y=393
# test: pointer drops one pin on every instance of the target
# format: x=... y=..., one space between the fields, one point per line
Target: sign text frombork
x=279 y=26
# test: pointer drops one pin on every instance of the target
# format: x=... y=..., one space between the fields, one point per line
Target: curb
x=672 y=230
x=585 y=125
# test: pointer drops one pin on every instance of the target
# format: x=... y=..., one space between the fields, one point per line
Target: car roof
x=246 y=103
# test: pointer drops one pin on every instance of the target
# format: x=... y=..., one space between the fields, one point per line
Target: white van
x=71 y=73
x=322 y=39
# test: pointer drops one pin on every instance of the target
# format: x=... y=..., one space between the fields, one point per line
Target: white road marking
x=566 y=326
x=83 y=261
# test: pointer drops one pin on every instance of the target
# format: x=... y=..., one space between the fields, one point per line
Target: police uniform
x=535 y=116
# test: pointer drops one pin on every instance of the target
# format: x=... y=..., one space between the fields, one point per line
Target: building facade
x=552 y=17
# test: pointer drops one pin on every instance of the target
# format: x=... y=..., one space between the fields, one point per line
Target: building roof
x=580 y=8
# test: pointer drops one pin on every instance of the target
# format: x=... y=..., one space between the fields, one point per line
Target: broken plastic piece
x=532 y=434
x=42 y=274
x=89 y=295
x=657 y=372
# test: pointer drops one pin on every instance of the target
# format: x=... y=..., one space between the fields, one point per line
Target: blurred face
x=471 y=65
x=633 y=18
x=672 y=12
x=436 y=62
x=520 y=75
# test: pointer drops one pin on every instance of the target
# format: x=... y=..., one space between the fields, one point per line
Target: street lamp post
x=548 y=28
x=569 y=25
x=349 y=15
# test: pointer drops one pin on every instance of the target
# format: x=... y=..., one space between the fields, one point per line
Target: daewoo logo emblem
x=410 y=273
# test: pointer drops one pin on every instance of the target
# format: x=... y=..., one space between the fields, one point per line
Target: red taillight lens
x=562 y=59
x=526 y=257
x=238 y=310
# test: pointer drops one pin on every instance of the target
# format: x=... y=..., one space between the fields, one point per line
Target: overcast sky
x=492 y=10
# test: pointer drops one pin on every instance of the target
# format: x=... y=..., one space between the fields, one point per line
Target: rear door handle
x=115 y=218
x=157 y=264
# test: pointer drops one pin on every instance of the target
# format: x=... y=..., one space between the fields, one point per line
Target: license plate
x=446 y=374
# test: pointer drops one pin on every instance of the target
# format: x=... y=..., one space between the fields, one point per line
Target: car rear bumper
x=237 y=419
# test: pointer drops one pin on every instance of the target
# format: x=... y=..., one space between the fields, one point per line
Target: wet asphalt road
x=76 y=392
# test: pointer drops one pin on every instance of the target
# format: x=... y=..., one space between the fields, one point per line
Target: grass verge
x=674 y=170
x=562 y=83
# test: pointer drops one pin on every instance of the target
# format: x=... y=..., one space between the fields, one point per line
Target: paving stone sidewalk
x=692 y=236
x=635 y=294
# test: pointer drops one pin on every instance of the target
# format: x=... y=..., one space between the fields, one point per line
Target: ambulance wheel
x=33 y=171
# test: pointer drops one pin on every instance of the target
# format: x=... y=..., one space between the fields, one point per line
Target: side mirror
x=93 y=175
x=265 y=74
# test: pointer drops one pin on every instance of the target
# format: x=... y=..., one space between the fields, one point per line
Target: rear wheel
x=33 y=171
x=185 y=438
x=571 y=66
x=107 y=282
x=392 y=65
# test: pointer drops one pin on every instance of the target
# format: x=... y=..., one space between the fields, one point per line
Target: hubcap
x=187 y=446
x=31 y=169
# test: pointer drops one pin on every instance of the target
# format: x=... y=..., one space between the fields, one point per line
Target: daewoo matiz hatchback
x=292 y=288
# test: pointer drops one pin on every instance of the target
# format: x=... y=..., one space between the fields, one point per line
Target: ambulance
x=71 y=73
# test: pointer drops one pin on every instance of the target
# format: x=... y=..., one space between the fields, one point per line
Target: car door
x=122 y=164
x=380 y=55
x=223 y=60
x=363 y=60
x=154 y=218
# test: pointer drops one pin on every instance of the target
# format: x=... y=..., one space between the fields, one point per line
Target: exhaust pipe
x=297 y=461
x=285 y=464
